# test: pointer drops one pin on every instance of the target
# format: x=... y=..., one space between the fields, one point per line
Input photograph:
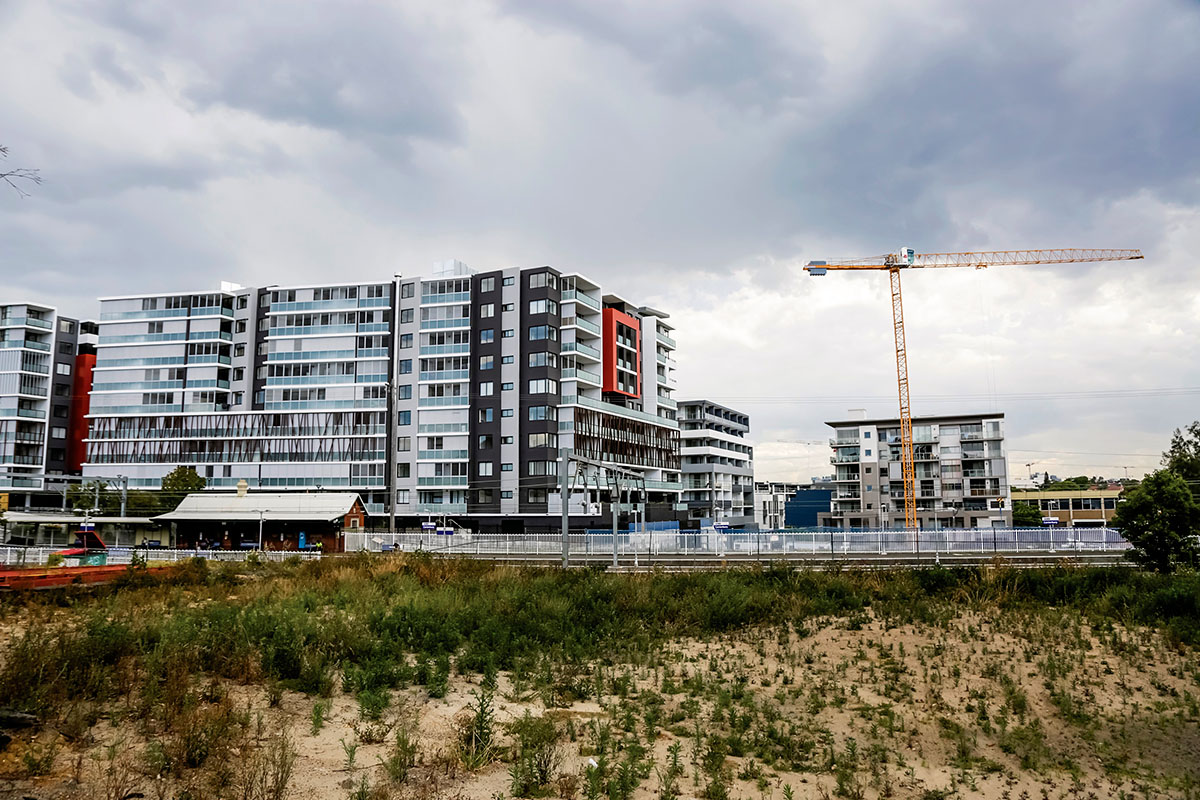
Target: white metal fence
x=829 y=543
x=14 y=556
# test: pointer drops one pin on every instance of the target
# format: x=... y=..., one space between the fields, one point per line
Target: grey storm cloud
x=691 y=153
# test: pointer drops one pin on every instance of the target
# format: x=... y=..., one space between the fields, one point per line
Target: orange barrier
x=57 y=577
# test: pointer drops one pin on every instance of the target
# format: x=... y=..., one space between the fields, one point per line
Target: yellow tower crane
x=907 y=258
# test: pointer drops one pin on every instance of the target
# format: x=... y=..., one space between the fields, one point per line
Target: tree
x=1161 y=519
x=12 y=176
x=1026 y=515
x=93 y=495
x=178 y=484
x=1183 y=457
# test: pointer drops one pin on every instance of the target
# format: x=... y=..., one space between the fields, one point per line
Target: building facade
x=1080 y=508
x=961 y=473
x=498 y=371
x=283 y=387
x=38 y=350
x=458 y=390
x=770 y=500
x=718 y=463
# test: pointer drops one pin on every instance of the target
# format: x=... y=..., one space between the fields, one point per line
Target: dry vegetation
x=393 y=677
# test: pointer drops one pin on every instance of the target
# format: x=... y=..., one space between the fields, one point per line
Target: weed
x=38 y=759
x=476 y=728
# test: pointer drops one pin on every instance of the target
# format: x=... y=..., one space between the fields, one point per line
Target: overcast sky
x=690 y=155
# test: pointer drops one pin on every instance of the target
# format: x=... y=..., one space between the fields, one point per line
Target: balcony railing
x=441 y=508
x=443 y=480
x=620 y=411
x=32 y=322
x=667 y=340
x=579 y=373
x=572 y=294
x=443 y=455
x=572 y=347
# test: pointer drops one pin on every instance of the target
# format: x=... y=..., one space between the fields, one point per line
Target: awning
x=265 y=506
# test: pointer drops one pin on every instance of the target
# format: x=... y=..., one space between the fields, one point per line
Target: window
x=58 y=433
x=508 y=333
x=506 y=467
x=508 y=412
x=404 y=418
x=508 y=281
x=539 y=468
x=543 y=386
x=539 y=333
x=543 y=413
x=241 y=326
x=404 y=444
x=506 y=360
x=485 y=469
x=407 y=315
x=486 y=415
x=62 y=369
x=487 y=285
x=506 y=495
x=543 y=440
x=539 y=279
x=537 y=495
x=506 y=387
x=483 y=495
x=507 y=307
x=406 y=341
x=406 y=366
x=487 y=310
x=65 y=348
x=486 y=362
x=239 y=350
x=154 y=327
x=866 y=434
x=404 y=470
x=543 y=307
x=870 y=470
x=406 y=289
x=402 y=497
x=404 y=391
x=487 y=335
x=867 y=451
x=487 y=389
x=506 y=440
x=485 y=441
x=66 y=326
x=543 y=359
x=870 y=487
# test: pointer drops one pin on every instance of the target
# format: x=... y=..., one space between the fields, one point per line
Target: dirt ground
x=989 y=707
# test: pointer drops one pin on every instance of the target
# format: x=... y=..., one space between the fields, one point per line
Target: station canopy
x=253 y=506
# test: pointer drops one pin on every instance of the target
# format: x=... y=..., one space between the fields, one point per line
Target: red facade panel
x=77 y=424
x=609 y=331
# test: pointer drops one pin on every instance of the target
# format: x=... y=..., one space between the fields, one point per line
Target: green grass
x=382 y=623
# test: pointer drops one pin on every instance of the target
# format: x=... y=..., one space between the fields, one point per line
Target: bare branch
x=21 y=174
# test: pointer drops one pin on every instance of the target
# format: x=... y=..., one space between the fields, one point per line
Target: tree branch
x=21 y=174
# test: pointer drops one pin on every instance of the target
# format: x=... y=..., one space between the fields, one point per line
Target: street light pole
x=261 y=513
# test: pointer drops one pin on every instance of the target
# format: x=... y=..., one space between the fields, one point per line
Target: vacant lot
x=412 y=677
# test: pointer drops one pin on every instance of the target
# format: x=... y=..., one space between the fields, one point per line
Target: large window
x=543 y=386
x=539 y=279
x=487 y=284
x=543 y=413
x=486 y=362
x=487 y=335
x=539 y=333
x=543 y=440
x=543 y=359
x=543 y=307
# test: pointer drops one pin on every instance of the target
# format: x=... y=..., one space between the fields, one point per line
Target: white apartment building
x=961 y=473
x=37 y=355
x=718 y=463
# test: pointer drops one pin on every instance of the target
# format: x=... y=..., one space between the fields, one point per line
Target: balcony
x=447 y=375
x=666 y=401
x=459 y=322
x=665 y=486
x=461 y=400
x=854 y=478
x=843 y=442
x=28 y=344
x=580 y=297
x=619 y=411
x=30 y=322
x=579 y=348
x=667 y=340
x=441 y=508
x=443 y=455
x=580 y=322
x=443 y=480
x=28 y=413
x=844 y=458
x=445 y=349
x=581 y=374
x=448 y=297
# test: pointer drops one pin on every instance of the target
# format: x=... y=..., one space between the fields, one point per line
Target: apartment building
x=718 y=463
x=961 y=473
x=38 y=350
x=500 y=370
x=770 y=502
x=283 y=387
x=458 y=389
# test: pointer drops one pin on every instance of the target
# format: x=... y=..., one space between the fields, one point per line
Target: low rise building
x=1080 y=508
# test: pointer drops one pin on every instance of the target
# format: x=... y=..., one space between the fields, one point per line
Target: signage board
x=1049 y=520
x=428 y=526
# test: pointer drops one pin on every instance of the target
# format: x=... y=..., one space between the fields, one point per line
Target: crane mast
x=907 y=258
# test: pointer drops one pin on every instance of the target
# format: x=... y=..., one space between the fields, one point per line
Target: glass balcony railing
x=28 y=344
x=448 y=297
x=443 y=480
x=445 y=349
x=461 y=400
x=580 y=347
x=446 y=375
x=434 y=324
x=667 y=340
x=32 y=322
x=580 y=297
x=441 y=508
x=443 y=455
x=620 y=411
x=579 y=373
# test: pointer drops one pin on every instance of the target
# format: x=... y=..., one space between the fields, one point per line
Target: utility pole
x=564 y=463
x=124 y=479
x=390 y=425
x=616 y=509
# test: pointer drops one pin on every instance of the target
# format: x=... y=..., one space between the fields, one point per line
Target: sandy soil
x=909 y=712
